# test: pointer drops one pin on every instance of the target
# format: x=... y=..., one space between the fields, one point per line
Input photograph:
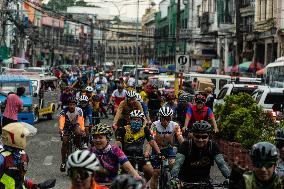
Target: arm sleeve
x=122 y=158
x=210 y=113
x=188 y=112
x=148 y=134
x=61 y=121
x=179 y=160
x=118 y=112
x=90 y=115
x=80 y=120
x=222 y=165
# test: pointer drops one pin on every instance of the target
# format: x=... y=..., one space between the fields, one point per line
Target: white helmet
x=89 y=89
x=83 y=159
x=166 y=111
x=130 y=94
x=84 y=98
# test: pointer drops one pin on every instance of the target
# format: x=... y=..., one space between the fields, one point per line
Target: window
x=222 y=93
x=214 y=81
x=258 y=97
x=237 y=90
x=222 y=82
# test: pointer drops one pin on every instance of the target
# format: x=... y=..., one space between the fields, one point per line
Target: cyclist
x=88 y=115
x=82 y=166
x=199 y=112
x=101 y=79
x=89 y=92
x=13 y=158
x=96 y=105
x=183 y=102
x=132 y=138
x=155 y=102
x=102 y=98
x=117 y=96
x=264 y=156
x=70 y=120
x=63 y=82
x=165 y=130
x=125 y=107
x=170 y=102
x=64 y=97
x=110 y=156
x=126 y=181
x=144 y=107
x=279 y=139
x=140 y=90
x=196 y=156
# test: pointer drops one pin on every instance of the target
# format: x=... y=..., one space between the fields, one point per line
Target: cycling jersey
x=159 y=130
x=87 y=114
x=194 y=114
x=133 y=142
x=74 y=119
x=111 y=157
x=118 y=97
x=124 y=110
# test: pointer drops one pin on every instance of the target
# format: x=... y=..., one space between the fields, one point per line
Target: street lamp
x=136 y=59
x=273 y=32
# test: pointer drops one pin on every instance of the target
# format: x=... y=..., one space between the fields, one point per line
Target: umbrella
x=255 y=67
x=196 y=69
x=245 y=66
x=15 y=60
x=211 y=70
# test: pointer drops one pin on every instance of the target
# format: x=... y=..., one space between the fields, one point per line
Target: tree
x=60 y=5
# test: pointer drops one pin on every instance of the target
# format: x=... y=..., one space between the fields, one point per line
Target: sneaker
x=63 y=167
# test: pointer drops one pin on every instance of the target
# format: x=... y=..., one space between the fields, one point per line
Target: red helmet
x=199 y=98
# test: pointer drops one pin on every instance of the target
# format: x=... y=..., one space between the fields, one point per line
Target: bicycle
x=202 y=185
x=165 y=174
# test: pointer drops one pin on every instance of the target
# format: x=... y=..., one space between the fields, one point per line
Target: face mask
x=136 y=125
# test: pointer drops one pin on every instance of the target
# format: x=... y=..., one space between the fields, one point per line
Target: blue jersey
x=88 y=113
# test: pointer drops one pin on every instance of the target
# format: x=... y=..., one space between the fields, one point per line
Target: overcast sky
x=128 y=8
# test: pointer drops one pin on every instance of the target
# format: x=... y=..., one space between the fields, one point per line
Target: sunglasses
x=79 y=173
x=264 y=164
x=201 y=136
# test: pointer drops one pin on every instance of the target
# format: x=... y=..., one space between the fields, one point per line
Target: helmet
x=83 y=159
x=183 y=98
x=102 y=129
x=14 y=135
x=199 y=98
x=72 y=99
x=170 y=96
x=98 y=87
x=130 y=94
x=126 y=181
x=138 y=97
x=84 y=98
x=279 y=135
x=89 y=89
x=263 y=151
x=136 y=113
x=201 y=127
x=166 y=111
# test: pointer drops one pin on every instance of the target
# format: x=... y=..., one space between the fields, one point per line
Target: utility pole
x=91 y=58
x=239 y=33
x=177 y=46
x=137 y=59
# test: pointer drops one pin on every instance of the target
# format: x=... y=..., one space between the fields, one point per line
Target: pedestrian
x=13 y=106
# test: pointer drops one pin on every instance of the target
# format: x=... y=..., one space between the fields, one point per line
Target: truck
x=10 y=83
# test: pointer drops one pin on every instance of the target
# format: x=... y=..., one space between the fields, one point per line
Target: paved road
x=45 y=159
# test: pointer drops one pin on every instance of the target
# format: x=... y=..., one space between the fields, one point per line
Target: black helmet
x=201 y=127
x=263 y=151
x=72 y=99
x=279 y=135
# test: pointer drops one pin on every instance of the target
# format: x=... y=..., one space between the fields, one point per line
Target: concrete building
x=148 y=32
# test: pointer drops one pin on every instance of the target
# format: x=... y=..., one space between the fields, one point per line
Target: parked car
x=233 y=89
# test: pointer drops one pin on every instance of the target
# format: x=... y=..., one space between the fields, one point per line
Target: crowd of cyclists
x=155 y=141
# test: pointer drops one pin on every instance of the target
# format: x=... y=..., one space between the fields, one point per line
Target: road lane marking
x=48 y=160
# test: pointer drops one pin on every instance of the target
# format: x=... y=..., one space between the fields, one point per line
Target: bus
x=274 y=73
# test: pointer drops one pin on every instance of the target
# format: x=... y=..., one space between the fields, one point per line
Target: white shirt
x=102 y=81
x=117 y=94
x=131 y=82
x=160 y=130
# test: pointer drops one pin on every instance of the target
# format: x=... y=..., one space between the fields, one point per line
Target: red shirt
x=13 y=105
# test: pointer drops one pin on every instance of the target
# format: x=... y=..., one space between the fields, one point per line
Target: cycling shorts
x=68 y=129
x=165 y=152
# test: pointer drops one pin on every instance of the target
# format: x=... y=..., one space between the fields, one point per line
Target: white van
x=218 y=80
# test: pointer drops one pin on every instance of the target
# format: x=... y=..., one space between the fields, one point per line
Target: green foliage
x=61 y=5
x=241 y=120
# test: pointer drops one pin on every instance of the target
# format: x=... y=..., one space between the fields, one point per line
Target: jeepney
x=45 y=96
x=10 y=83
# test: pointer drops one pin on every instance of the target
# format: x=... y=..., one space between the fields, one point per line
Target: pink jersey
x=13 y=106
